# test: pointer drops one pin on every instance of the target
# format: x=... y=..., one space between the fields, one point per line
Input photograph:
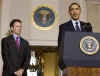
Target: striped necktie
x=17 y=42
x=77 y=27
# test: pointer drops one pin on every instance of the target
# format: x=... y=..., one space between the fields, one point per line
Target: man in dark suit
x=73 y=25
x=15 y=52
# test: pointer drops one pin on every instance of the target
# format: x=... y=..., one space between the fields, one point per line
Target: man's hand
x=19 y=72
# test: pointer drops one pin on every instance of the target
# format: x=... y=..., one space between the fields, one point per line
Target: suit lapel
x=71 y=25
x=82 y=26
x=12 y=41
x=21 y=43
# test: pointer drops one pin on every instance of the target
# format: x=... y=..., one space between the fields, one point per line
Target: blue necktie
x=77 y=27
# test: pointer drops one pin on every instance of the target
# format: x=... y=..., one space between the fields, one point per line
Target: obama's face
x=74 y=11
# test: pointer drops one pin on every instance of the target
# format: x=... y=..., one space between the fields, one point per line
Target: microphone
x=88 y=27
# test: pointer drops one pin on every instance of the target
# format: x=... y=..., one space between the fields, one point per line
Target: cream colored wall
x=0 y=14
x=0 y=60
x=93 y=11
x=22 y=9
x=0 y=17
x=63 y=9
x=0 y=43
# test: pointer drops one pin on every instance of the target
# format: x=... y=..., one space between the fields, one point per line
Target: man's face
x=17 y=28
x=75 y=12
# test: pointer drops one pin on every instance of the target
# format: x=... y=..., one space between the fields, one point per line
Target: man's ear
x=11 y=28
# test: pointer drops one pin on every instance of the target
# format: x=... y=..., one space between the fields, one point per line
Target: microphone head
x=88 y=27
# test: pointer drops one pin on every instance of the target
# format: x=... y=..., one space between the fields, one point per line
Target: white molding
x=43 y=43
x=93 y=1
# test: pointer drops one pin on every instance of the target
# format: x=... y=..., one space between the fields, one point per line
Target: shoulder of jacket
x=66 y=23
x=7 y=37
x=24 y=40
x=83 y=22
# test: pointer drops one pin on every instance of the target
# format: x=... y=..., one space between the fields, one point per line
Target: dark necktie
x=17 y=42
x=77 y=27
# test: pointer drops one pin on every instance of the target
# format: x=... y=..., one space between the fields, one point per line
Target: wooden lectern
x=78 y=58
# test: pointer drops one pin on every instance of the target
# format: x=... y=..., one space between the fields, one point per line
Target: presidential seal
x=89 y=45
x=43 y=18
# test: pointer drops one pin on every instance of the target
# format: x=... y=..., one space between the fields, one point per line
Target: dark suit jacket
x=14 y=58
x=68 y=26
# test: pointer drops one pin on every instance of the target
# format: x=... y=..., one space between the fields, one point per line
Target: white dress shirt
x=74 y=24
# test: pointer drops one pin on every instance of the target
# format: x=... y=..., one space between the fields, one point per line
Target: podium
x=79 y=59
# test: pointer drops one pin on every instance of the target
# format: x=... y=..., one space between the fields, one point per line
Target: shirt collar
x=14 y=35
x=74 y=23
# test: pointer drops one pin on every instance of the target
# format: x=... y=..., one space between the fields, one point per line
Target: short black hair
x=13 y=21
x=74 y=4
